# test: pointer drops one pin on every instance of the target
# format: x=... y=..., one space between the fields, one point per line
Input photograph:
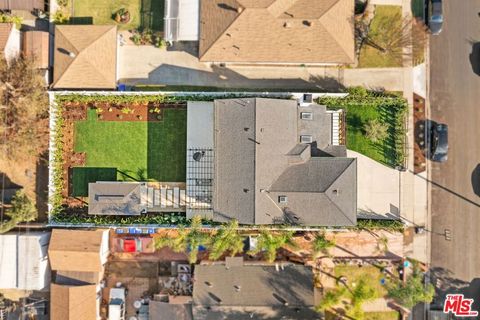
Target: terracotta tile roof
x=277 y=31
x=73 y=302
x=5 y=30
x=35 y=45
x=75 y=250
x=85 y=57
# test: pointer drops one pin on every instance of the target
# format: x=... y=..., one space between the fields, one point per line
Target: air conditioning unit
x=306 y=138
x=282 y=199
x=306 y=116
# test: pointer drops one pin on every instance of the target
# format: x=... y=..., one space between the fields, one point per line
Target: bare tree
x=23 y=109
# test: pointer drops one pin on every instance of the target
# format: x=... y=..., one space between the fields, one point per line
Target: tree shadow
x=475 y=57
x=476 y=180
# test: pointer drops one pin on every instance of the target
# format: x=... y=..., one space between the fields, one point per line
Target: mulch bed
x=418 y=120
x=152 y=112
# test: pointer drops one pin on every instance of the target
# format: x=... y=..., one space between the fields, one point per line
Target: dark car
x=437 y=141
x=435 y=22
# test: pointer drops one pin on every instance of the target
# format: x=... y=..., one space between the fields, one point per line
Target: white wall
x=12 y=48
x=33 y=266
x=8 y=261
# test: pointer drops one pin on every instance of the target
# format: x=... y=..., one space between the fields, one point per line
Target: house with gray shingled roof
x=274 y=162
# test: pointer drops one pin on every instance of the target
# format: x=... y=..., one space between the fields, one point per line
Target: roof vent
x=237 y=288
x=246 y=129
x=209 y=284
x=245 y=190
x=282 y=199
x=306 y=138
x=239 y=9
x=287 y=25
x=336 y=192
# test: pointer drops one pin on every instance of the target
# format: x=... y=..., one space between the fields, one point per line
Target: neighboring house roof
x=117 y=198
x=85 y=56
x=276 y=31
x=27 y=5
x=5 y=30
x=258 y=158
x=35 y=46
x=226 y=290
x=166 y=311
x=76 y=250
x=23 y=261
x=73 y=302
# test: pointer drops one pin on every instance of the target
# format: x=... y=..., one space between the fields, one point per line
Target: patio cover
x=181 y=20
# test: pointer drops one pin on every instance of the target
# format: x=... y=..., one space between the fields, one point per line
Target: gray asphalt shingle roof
x=258 y=157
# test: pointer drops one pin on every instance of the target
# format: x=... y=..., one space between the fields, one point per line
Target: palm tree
x=269 y=242
x=321 y=244
x=226 y=239
x=187 y=239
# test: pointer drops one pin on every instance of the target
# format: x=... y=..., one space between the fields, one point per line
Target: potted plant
x=122 y=16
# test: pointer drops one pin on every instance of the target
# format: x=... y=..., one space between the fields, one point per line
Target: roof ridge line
x=222 y=33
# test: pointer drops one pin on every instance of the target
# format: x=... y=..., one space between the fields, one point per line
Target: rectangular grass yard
x=139 y=150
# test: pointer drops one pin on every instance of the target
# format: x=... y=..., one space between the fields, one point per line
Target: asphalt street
x=455 y=100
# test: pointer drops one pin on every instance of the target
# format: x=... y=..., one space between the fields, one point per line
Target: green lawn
x=363 y=107
x=143 y=13
x=82 y=176
x=139 y=150
x=357 y=117
x=373 y=58
x=387 y=315
x=370 y=274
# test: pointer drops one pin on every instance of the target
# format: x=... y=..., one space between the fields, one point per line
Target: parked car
x=436 y=135
x=435 y=22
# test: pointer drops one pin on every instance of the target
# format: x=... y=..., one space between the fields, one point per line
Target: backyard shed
x=36 y=47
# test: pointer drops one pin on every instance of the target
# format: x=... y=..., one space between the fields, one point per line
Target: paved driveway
x=150 y=65
x=378 y=188
x=455 y=96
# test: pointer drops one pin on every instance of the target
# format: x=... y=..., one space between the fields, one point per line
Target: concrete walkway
x=378 y=188
x=150 y=65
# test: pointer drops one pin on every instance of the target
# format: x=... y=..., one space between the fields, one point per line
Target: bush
x=61 y=17
x=7 y=18
x=384 y=224
x=376 y=130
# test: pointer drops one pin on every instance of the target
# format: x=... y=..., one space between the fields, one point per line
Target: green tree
x=412 y=291
x=321 y=244
x=269 y=242
x=376 y=130
x=22 y=210
x=226 y=239
x=186 y=240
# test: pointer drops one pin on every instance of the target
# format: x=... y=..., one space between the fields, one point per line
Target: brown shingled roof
x=75 y=250
x=85 y=57
x=73 y=302
x=277 y=31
